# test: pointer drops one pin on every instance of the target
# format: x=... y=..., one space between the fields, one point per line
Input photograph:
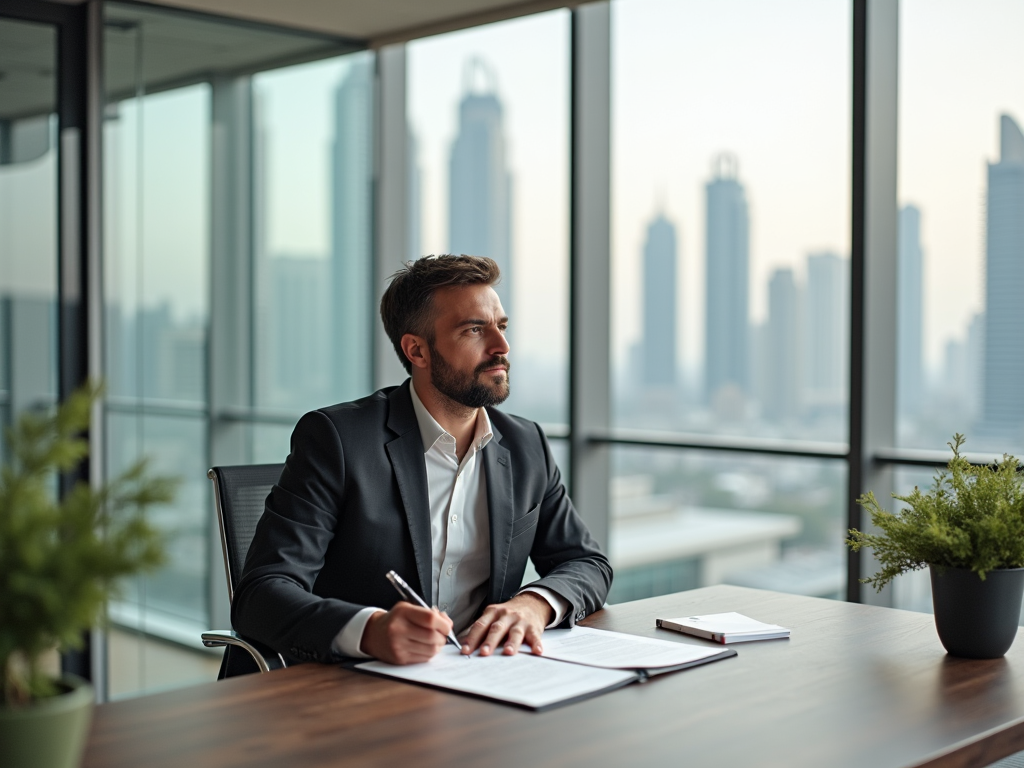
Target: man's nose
x=497 y=344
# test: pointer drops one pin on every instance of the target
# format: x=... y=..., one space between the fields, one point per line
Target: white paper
x=615 y=650
x=524 y=679
x=726 y=623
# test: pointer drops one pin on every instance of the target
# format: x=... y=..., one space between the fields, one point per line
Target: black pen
x=409 y=595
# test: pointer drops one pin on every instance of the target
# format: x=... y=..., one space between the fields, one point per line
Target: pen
x=409 y=595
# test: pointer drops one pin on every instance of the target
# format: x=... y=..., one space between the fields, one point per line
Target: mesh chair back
x=240 y=493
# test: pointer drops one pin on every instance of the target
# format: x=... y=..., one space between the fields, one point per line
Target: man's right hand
x=407 y=634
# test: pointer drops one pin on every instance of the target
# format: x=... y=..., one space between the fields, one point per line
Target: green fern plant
x=62 y=559
x=972 y=518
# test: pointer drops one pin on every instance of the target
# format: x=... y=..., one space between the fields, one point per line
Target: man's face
x=468 y=357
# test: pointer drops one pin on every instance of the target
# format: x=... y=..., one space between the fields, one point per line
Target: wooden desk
x=855 y=686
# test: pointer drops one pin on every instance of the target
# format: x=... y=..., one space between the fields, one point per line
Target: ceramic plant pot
x=50 y=733
x=977 y=619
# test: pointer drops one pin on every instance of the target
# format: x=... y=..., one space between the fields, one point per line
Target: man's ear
x=416 y=351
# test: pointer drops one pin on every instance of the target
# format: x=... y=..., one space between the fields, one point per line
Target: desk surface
x=854 y=686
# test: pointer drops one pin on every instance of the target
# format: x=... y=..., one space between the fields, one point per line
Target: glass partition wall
x=236 y=188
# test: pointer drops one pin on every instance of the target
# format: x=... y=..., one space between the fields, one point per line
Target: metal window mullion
x=590 y=265
x=873 y=265
x=229 y=347
x=391 y=203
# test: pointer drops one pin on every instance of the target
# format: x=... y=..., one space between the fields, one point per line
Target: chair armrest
x=265 y=658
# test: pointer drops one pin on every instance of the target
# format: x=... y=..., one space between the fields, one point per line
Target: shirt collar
x=431 y=431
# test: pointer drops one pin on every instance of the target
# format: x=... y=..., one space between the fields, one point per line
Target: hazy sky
x=769 y=82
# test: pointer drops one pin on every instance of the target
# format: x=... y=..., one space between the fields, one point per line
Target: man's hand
x=521 y=619
x=407 y=634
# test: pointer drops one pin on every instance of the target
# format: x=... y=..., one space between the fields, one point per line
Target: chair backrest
x=240 y=493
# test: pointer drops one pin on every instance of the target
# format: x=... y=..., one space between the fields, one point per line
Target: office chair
x=240 y=493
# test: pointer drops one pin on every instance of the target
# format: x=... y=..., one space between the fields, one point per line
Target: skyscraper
x=727 y=266
x=909 y=374
x=782 y=387
x=659 y=306
x=826 y=324
x=350 y=337
x=298 y=316
x=1003 y=407
x=480 y=198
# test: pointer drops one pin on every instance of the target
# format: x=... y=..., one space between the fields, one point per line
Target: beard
x=465 y=388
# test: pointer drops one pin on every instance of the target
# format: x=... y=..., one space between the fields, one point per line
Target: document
x=577 y=663
x=616 y=650
x=524 y=679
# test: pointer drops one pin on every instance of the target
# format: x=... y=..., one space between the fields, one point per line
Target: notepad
x=725 y=627
x=577 y=664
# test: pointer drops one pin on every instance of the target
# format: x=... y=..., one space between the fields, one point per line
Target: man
x=427 y=479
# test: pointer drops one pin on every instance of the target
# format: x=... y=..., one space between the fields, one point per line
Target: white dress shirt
x=460 y=530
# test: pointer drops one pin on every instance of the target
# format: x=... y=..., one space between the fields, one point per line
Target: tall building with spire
x=1003 y=405
x=352 y=292
x=727 y=243
x=658 y=347
x=480 y=187
x=909 y=353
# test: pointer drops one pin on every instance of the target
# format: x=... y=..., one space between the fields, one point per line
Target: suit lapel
x=498 y=471
x=406 y=455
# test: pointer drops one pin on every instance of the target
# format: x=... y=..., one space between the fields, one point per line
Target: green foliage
x=972 y=517
x=62 y=559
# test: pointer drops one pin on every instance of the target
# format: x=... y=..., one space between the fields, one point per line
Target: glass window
x=217 y=180
x=961 y=255
x=730 y=216
x=683 y=519
x=489 y=130
x=28 y=218
x=314 y=160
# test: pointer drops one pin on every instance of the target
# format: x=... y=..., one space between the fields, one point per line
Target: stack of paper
x=598 y=661
x=725 y=627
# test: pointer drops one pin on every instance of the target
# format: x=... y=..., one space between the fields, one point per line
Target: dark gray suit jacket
x=351 y=505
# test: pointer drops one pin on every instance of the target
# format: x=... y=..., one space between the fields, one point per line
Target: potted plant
x=61 y=559
x=968 y=529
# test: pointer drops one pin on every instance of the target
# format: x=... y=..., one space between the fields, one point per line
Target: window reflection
x=28 y=218
x=313 y=260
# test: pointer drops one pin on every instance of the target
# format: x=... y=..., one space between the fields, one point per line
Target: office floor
x=138 y=664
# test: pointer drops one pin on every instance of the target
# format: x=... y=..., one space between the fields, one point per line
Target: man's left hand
x=521 y=619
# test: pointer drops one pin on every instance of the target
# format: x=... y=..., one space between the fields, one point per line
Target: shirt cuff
x=348 y=640
x=558 y=604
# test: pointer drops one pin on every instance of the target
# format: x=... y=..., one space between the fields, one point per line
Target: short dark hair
x=407 y=305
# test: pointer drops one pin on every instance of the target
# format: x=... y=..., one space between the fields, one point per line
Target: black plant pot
x=977 y=619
